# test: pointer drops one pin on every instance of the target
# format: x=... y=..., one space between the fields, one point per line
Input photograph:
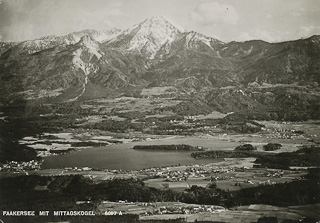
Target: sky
x=226 y=20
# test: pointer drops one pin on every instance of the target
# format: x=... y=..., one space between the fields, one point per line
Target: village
x=228 y=174
x=155 y=208
x=15 y=166
x=226 y=177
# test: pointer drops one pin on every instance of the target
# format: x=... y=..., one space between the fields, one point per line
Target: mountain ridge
x=157 y=53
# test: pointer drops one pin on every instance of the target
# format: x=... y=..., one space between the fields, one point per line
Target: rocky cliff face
x=147 y=37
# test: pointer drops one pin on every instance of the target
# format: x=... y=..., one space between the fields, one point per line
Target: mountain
x=286 y=63
x=4 y=46
x=147 y=37
x=33 y=46
x=157 y=53
x=191 y=61
x=190 y=41
x=64 y=73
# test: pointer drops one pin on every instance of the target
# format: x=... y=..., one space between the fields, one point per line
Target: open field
x=192 y=212
x=227 y=175
x=126 y=104
x=157 y=208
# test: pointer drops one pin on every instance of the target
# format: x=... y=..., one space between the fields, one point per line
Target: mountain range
x=254 y=75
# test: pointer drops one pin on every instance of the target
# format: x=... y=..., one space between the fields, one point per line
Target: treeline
x=88 y=143
x=306 y=156
x=112 y=125
x=272 y=146
x=293 y=193
x=19 y=193
x=10 y=149
x=13 y=151
x=22 y=193
x=228 y=154
x=240 y=127
x=16 y=126
x=158 y=127
x=245 y=147
x=60 y=151
x=117 y=125
x=293 y=115
x=79 y=144
x=180 y=147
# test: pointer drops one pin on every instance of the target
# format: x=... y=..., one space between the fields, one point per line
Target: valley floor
x=84 y=146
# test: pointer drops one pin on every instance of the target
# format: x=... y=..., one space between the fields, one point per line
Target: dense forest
x=228 y=154
x=180 y=147
x=306 y=156
x=38 y=192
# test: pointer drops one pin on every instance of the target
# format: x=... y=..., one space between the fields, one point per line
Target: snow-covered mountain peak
x=148 y=36
x=160 y=22
x=158 y=26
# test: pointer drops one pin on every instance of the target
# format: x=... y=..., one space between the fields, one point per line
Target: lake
x=121 y=156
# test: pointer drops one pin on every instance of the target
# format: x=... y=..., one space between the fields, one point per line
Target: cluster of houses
x=279 y=133
x=229 y=169
x=162 y=208
x=226 y=170
x=216 y=178
x=20 y=166
x=268 y=182
x=177 y=209
x=176 y=175
x=278 y=173
x=194 y=171
x=78 y=169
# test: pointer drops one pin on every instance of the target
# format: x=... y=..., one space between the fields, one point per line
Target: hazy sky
x=226 y=20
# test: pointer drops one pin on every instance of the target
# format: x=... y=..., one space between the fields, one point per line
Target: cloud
x=1 y=37
x=213 y=13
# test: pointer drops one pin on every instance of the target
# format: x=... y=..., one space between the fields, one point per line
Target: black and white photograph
x=159 y=111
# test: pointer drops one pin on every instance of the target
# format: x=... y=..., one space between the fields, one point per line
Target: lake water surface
x=121 y=156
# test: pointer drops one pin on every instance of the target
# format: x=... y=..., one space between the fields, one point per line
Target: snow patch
x=150 y=35
x=193 y=38
x=85 y=67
